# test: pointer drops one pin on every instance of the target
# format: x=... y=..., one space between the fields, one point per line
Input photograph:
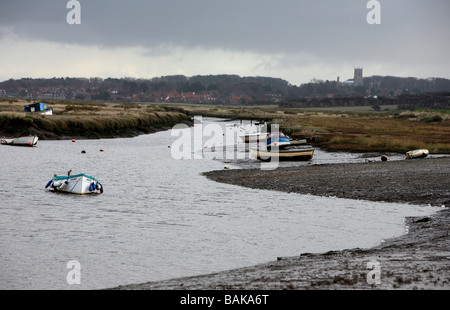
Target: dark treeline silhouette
x=232 y=89
x=435 y=101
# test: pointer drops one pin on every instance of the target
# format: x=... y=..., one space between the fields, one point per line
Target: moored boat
x=253 y=137
x=277 y=139
x=75 y=184
x=40 y=108
x=284 y=154
x=282 y=148
x=420 y=153
x=21 y=141
x=254 y=133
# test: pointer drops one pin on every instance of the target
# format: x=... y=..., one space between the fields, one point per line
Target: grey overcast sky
x=296 y=40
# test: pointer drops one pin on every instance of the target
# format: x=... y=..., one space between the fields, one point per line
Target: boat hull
x=421 y=153
x=253 y=137
x=40 y=108
x=77 y=184
x=46 y=112
x=21 y=141
x=284 y=155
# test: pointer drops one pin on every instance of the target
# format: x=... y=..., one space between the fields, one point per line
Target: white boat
x=254 y=133
x=253 y=137
x=420 y=153
x=75 y=184
x=21 y=141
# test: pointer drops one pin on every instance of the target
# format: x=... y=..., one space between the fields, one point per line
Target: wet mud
x=419 y=259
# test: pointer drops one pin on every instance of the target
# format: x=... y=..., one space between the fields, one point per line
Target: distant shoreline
x=417 y=260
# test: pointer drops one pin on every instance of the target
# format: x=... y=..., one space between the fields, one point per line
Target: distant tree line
x=436 y=101
x=221 y=85
x=376 y=90
x=439 y=101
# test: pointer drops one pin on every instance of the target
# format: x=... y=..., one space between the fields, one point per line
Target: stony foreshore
x=417 y=260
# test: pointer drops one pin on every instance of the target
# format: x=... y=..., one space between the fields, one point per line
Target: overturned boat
x=420 y=153
x=21 y=141
x=75 y=184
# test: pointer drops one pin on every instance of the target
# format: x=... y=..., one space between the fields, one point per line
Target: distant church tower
x=358 y=77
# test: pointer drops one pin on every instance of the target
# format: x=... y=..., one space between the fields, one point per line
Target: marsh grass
x=80 y=108
x=380 y=133
x=349 y=130
x=93 y=120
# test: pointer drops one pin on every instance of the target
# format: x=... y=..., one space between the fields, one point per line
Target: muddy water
x=159 y=218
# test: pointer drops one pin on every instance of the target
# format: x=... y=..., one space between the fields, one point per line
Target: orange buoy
x=73 y=140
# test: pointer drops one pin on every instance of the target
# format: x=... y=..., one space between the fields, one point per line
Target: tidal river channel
x=159 y=218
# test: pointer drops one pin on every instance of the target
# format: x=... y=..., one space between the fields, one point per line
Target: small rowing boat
x=284 y=154
x=75 y=184
x=21 y=141
x=253 y=137
x=420 y=153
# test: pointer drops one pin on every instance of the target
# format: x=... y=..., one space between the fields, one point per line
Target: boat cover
x=65 y=177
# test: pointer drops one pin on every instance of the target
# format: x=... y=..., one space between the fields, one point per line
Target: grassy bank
x=91 y=120
x=381 y=133
x=351 y=130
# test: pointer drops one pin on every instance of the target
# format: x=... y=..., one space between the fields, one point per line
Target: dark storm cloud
x=244 y=24
x=410 y=30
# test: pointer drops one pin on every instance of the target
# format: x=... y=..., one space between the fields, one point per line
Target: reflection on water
x=159 y=218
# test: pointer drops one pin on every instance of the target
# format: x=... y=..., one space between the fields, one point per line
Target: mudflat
x=419 y=259
x=417 y=181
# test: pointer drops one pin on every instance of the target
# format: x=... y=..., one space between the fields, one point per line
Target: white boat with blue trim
x=75 y=184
